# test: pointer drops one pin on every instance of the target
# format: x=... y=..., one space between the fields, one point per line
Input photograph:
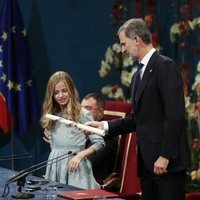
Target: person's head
x=94 y=103
x=61 y=96
x=135 y=38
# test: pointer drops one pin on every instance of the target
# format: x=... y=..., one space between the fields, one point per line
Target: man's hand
x=94 y=124
x=160 y=166
x=46 y=136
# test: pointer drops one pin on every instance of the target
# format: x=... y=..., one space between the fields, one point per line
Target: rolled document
x=78 y=125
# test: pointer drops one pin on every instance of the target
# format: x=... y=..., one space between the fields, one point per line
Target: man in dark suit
x=158 y=117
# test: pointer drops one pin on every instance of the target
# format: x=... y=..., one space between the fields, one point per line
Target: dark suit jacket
x=159 y=116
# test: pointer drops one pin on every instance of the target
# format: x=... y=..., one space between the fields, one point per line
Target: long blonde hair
x=50 y=106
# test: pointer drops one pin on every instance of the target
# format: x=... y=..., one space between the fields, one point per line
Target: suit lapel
x=133 y=85
x=147 y=74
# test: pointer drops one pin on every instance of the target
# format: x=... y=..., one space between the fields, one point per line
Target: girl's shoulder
x=86 y=116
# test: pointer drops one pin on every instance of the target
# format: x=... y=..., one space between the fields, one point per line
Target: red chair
x=114 y=110
x=130 y=182
x=126 y=157
x=193 y=196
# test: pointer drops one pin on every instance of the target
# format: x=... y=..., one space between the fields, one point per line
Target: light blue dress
x=64 y=138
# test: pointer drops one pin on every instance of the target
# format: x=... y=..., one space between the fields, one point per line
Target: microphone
x=20 y=177
x=14 y=178
x=26 y=172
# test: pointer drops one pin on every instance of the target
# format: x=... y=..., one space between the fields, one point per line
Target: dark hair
x=136 y=27
x=98 y=97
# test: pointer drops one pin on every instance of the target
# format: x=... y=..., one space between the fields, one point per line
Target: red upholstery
x=126 y=164
x=124 y=107
x=129 y=167
x=193 y=196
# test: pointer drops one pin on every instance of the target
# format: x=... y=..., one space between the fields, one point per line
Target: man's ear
x=100 y=113
x=136 y=39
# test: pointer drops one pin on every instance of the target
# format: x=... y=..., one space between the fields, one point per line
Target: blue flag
x=18 y=98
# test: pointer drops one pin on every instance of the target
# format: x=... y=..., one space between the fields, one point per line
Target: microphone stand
x=19 y=194
x=21 y=176
x=14 y=178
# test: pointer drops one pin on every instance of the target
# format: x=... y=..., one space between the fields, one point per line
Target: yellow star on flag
x=10 y=85
x=4 y=36
x=1 y=63
x=3 y=78
x=29 y=83
x=24 y=33
x=17 y=87
x=13 y=29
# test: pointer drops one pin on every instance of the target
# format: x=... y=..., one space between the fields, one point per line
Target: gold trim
x=125 y=162
x=114 y=113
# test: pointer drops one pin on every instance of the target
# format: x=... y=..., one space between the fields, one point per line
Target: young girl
x=62 y=100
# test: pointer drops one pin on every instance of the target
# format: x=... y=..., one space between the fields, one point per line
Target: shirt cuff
x=105 y=125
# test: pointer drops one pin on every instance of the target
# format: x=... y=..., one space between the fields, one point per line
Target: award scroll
x=75 y=124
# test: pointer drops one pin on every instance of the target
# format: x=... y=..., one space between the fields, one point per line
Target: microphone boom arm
x=27 y=171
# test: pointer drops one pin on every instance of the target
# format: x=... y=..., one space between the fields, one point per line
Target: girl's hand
x=74 y=162
x=46 y=136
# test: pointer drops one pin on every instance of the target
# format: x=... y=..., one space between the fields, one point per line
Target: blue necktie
x=137 y=81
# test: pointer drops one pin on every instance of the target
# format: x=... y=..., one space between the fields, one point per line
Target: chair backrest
x=126 y=157
x=114 y=110
x=193 y=196
x=130 y=182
